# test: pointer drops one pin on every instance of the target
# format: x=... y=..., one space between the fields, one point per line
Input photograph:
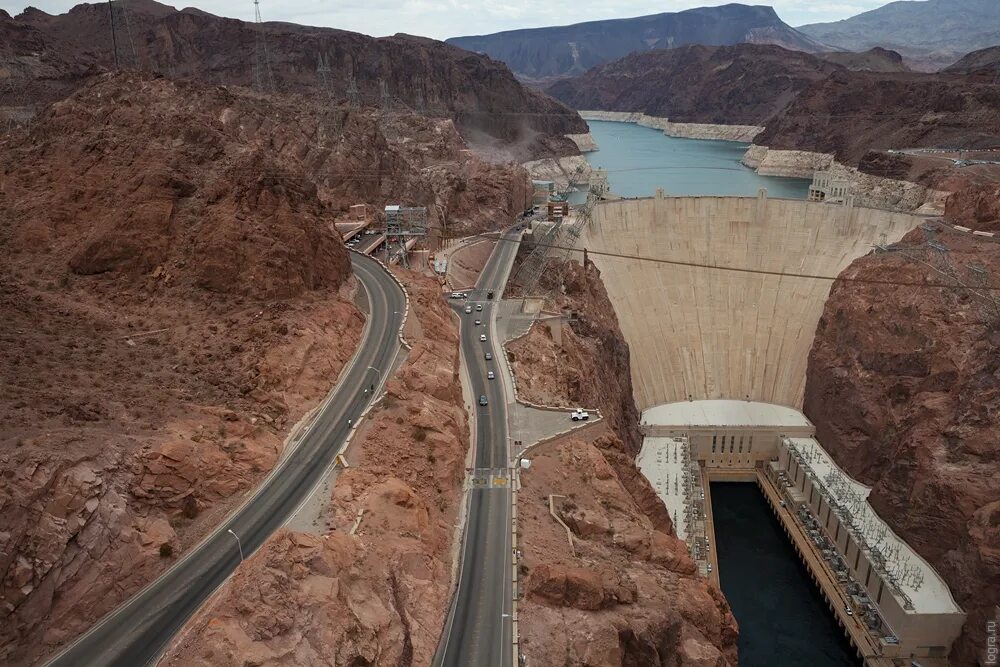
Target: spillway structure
x=719 y=299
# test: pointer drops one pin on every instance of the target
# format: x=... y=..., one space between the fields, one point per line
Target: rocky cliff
x=377 y=594
x=850 y=113
x=626 y=591
x=987 y=60
x=904 y=390
x=561 y=51
x=175 y=298
x=46 y=56
x=744 y=84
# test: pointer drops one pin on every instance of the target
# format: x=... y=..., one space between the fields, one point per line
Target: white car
x=478 y=322
x=482 y=338
x=468 y=309
x=490 y=375
x=479 y=306
x=579 y=415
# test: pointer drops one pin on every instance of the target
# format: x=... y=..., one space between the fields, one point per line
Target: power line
x=743 y=270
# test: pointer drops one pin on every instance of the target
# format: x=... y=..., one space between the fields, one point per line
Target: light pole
x=238 y=543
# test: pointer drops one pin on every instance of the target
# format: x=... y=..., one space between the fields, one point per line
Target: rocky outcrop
x=976 y=206
x=377 y=595
x=626 y=592
x=744 y=84
x=564 y=172
x=741 y=133
x=902 y=386
x=585 y=142
x=540 y=54
x=175 y=298
x=869 y=190
x=52 y=55
x=850 y=113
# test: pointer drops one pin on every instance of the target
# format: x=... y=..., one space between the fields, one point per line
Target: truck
x=579 y=415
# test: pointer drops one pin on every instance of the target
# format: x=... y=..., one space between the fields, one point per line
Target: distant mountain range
x=541 y=54
x=930 y=34
x=744 y=84
x=804 y=101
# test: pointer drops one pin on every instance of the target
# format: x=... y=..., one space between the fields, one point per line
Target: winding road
x=137 y=632
x=478 y=628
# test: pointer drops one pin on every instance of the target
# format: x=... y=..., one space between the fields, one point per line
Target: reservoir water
x=784 y=622
x=640 y=159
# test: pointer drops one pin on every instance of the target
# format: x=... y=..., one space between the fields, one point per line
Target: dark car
x=482 y=400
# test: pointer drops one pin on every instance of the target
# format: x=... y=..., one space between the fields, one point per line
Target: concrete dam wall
x=705 y=333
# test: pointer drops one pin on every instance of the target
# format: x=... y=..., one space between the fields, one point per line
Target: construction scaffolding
x=404 y=226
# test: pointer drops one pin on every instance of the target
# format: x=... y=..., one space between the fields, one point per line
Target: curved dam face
x=705 y=333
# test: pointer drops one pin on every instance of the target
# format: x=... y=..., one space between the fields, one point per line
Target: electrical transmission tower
x=262 y=78
x=385 y=99
x=121 y=36
x=323 y=69
x=564 y=236
x=353 y=94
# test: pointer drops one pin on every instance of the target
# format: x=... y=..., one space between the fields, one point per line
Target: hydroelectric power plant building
x=718 y=359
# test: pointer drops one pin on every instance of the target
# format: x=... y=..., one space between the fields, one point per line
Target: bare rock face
x=48 y=56
x=378 y=596
x=977 y=206
x=174 y=299
x=903 y=387
x=626 y=592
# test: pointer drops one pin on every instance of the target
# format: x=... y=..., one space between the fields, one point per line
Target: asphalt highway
x=478 y=629
x=137 y=632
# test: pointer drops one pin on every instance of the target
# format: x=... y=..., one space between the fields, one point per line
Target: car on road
x=457 y=295
x=482 y=400
x=490 y=375
x=482 y=338
x=479 y=307
x=489 y=356
x=579 y=415
x=478 y=322
x=489 y=294
x=850 y=612
x=468 y=309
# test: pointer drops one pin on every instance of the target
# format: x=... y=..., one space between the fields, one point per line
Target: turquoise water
x=641 y=159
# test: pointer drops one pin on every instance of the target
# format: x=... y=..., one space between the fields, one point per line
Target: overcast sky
x=451 y=18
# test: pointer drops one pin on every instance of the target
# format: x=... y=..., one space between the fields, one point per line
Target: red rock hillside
x=377 y=596
x=904 y=388
x=43 y=56
x=627 y=593
x=173 y=299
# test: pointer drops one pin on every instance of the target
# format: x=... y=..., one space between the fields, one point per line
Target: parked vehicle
x=579 y=415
